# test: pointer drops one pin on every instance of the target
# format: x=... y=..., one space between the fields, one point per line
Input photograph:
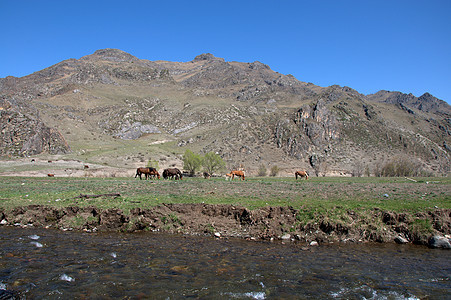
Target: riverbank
x=222 y=221
x=318 y=210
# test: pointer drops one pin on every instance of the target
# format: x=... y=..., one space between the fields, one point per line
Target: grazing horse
x=228 y=176
x=237 y=173
x=148 y=172
x=172 y=172
x=301 y=174
x=153 y=173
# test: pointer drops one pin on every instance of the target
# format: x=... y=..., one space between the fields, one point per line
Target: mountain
x=426 y=102
x=115 y=109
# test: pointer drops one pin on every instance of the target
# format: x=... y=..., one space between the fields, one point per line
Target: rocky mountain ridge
x=113 y=108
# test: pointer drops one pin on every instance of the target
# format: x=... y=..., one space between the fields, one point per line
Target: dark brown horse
x=153 y=173
x=237 y=173
x=148 y=173
x=301 y=174
x=207 y=175
x=173 y=173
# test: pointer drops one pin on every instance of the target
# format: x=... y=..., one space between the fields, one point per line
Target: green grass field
x=316 y=194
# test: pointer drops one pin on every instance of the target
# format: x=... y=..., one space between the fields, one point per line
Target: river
x=52 y=264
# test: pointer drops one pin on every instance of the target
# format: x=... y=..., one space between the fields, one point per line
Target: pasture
x=318 y=194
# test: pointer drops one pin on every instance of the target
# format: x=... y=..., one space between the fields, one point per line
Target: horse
x=140 y=171
x=172 y=172
x=153 y=173
x=237 y=173
x=301 y=174
x=228 y=176
x=148 y=172
x=207 y=175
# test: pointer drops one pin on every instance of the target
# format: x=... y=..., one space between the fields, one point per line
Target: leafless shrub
x=378 y=169
x=357 y=170
x=262 y=170
x=367 y=171
x=274 y=171
x=401 y=166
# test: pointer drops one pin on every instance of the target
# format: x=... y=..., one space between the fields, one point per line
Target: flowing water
x=51 y=264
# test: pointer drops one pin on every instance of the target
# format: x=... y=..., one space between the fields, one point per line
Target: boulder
x=438 y=241
x=286 y=236
x=401 y=240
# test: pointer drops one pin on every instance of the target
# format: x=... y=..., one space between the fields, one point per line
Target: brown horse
x=172 y=172
x=301 y=174
x=207 y=175
x=148 y=172
x=237 y=173
x=153 y=173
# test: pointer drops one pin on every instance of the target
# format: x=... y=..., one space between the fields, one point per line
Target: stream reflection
x=51 y=264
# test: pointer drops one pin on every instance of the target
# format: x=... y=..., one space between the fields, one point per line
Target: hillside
x=113 y=109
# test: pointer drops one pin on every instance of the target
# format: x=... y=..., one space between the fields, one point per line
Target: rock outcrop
x=24 y=135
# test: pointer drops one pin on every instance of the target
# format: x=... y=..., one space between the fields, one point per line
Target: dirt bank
x=268 y=223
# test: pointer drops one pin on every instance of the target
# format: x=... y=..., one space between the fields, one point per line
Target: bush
x=358 y=170
x=367 y=171
x=400 y=166
x=262 y=170
x=274 y=171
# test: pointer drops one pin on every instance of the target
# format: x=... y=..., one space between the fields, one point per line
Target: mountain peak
x=109 y=54
x=207 y=56
x=428 y=97
x=425 y=102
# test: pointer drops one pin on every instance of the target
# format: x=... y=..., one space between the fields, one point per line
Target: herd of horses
x=174 y=173
x=149 y=173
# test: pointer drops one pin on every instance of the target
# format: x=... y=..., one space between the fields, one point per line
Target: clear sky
x=393 y=45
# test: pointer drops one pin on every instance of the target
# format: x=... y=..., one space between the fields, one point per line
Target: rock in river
x=401 y=240
x=438 y=241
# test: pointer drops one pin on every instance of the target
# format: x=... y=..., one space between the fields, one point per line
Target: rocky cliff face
x=25 y=135
x=312 y=126
x=246 y=112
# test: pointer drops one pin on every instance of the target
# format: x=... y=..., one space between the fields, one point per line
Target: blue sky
x=391 y=45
